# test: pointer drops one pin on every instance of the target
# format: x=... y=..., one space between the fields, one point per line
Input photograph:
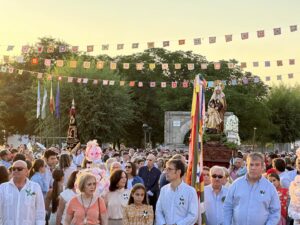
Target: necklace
x=85 y=209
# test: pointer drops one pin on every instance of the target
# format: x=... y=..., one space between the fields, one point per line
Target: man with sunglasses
x=214 y=196
x=21 y=200
x=252 y=199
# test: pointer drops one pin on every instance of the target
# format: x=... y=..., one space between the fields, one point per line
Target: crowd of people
x=136 y=186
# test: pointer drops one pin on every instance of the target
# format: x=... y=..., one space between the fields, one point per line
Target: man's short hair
x=256 y=156
x=214 y=168
x=3 y=153
x=279 y=164
x=179 y=165
x=48 y=153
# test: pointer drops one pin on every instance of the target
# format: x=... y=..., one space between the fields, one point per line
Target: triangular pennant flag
x=131 y=83
x=50 y=49
x=293 y=28
x=291 y=61
x=166 y=43
x=120 y=46
x=163 y=84
x=228 y=37
x=20 y=72
x=268 y=78
x=164 y=66
x=279 y=77
x=267 y=63
x=6 y=58
x=122 y=83
x=255 y=64
x=111 y=82
x=181 y=42
x=230 y=65
x=245 y=80
x=90 y=48
x=126 y=66
x=95 y=82
x=152 y=84
x=174 y=84
x=277 y=31
x=212 y=40
x=85 y=80
x=191 y=66
x=75 y=49
x=100 y=65
x=279 y=63
x=243 y=65
x=10 y=69
x=245 y=35
x=105 y=47
x=47 y=62
x=59 y=63
x=197 y=41
x=86 y=64
x=204 y=66
x=10 y=47
x=40 y=49
x=79 y=80
x=140 y=84
x=217 y=65
x=70 y=79
x=260 y=33
x=113 y=65
x=185 y=84
x=73 y=64
x=34 y=61
x=152 y=66
x=177 y=66
x=135 y=45
x=25 y=49
x=40 y=75
x=139 y=66
x=290 y=75
x=62 y=48
x=150 y=44
x=105 y=82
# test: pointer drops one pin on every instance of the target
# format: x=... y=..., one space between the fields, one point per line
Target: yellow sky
x=97 y=22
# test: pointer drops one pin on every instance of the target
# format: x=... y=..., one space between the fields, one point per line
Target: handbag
x=99 y=210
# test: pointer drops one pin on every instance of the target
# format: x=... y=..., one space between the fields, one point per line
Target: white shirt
x=177 y=207
x=24 y=207
x=66 y=195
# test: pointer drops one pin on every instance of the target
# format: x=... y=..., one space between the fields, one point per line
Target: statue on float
x=216 y=109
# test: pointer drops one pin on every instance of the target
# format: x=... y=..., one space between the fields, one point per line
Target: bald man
x=150 y=175
x=21 y=200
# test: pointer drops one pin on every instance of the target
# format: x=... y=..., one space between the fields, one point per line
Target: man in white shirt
x=177 y=202
x=21 y=200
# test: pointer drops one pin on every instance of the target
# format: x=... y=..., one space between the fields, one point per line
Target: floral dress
x=138 y=215
x=283 y=194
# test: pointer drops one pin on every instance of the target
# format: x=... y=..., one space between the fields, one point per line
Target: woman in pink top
x=86 y=208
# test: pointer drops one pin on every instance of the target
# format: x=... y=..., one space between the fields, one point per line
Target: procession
x=126 y=124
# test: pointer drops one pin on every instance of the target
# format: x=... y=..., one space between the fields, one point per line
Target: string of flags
x=134 y=83
x=99 y=64
x=165 y=44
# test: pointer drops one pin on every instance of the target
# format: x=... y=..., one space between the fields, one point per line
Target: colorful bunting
x=152 y=66
x=166 y=44
x=50 y=49
x=10 y=47
x=279 y=63
x=293 y=28
x=90 y=48
x=73 y=64
x=152 y=84
x=290 y=75
x=105 y=47
x=212 y=40
x=120 y=46
x=100 y=65
x=228 y=37
x=139 y=66
x=177 y=66
x=75 y=49
x=260 y=33
x=181 y=42
x=59 y=63
x=86 y=64
x=279 y=77
x=245 y=35
x=197 y=41
x=191 y=66
x=164 y=66
x=62 y=48
x=126 y=66
x=135 y=45
x=277 y=31
x=150 y=44
x=267 y=63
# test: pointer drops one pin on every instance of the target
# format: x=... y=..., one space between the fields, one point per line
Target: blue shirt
x=5 y=163
x=150 y=178
x=214 y=205
x=177 y=207
x=40 y=179
x=251 y=204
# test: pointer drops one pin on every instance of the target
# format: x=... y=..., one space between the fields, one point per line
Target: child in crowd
x=294 y=207
x=138 y=211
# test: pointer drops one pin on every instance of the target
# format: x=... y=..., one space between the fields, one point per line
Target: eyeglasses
x=17 y=168
x=128 y=167
x=217 y=176
x=169 y=169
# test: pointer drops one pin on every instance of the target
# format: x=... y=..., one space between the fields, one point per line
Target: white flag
x=38 y=102
x=44 y=104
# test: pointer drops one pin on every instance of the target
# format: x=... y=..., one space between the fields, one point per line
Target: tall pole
x=253 y=141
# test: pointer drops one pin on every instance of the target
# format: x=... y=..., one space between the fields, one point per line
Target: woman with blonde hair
x=87 y=208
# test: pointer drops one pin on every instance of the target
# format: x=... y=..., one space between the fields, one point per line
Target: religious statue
x=216 y=109
x=72 y=135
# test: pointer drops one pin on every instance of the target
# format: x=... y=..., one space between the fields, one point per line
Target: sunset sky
x=98 y=22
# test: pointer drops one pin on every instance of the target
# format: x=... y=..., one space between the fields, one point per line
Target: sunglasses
x=128 y=167
x=217 y=176
x=17 y=168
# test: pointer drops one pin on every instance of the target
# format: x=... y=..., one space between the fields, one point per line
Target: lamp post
x=145 y=129
x=253 y=142
x=149 y=131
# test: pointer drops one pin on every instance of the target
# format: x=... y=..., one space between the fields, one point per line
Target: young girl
x=36 y=174
x=294 y=207
x=138 y=212
x=283 y=196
